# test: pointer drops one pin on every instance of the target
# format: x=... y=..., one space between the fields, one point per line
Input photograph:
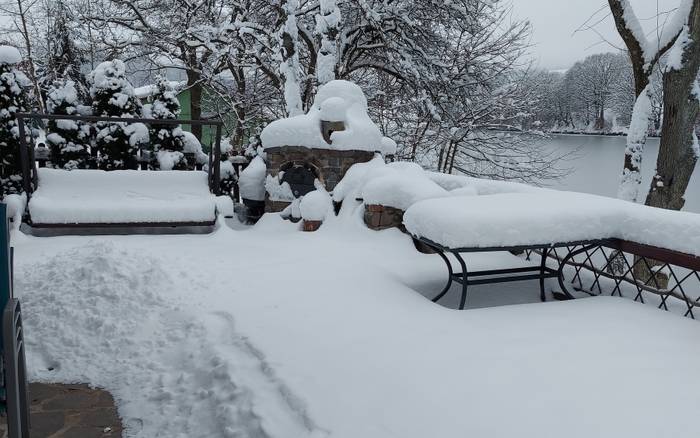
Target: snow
x=252 y=180
x=331 y=99
x=327 y=23
x=354 y=179
x=549 y=216
x=316 y=205
x=289 y=62
x=400 y=190
x=168 y=159
x=149 y=90
x=224 y=205
x=16 y=204
x=333 y=109
x=271 y=332
x=669 y=30
x=121 y=196
x=631 y=179
x=9 y=55
x=674 y=57
x=110 y=75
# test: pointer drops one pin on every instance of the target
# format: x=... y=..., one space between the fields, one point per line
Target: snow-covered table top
x=121 y=196
x=548 y=217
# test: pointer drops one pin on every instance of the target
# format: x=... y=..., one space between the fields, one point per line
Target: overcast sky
x=554 y=22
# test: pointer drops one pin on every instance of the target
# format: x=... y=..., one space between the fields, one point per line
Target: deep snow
x=121 y=196
x=269 y=331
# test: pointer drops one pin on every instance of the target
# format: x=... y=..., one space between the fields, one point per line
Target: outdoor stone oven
x=314 y=150
x=301 y=166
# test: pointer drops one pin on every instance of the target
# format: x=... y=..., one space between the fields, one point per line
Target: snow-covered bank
x=273 y=332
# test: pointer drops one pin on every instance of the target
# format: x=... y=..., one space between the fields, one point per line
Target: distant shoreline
x=595 y=134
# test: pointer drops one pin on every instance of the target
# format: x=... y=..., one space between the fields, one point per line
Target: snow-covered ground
x=267 y=331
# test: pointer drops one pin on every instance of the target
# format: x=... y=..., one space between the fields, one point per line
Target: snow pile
x=316 y=205
x=106 y=314
x=224 y=205
x=252 y=180
x=16 y=204
x=168 y=159
x=124 y=196
x=549 y=216
x=350 y=187
x=9 y=55
x=401 y=184
x=482 y=186
x=338 y=101
x=400 y=187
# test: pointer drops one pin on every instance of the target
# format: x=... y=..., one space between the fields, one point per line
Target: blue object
x=5 y=259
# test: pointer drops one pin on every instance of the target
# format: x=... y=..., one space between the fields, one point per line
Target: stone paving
x=70 y=411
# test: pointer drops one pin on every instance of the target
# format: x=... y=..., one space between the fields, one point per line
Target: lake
x=598 y=164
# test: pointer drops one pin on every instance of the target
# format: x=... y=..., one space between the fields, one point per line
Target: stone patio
x=70 y=411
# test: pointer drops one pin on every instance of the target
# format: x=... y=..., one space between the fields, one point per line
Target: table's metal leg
x=463 y=299
x=543 y=265
x=562 y=264
x=450 y=273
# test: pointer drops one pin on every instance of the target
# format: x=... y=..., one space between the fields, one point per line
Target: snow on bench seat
x=121 y=197
x=549 y=216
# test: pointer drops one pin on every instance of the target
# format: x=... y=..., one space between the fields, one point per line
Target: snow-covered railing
x=648 y=274
x=29 y=168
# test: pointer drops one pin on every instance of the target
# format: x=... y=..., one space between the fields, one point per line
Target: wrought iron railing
x=667 y=279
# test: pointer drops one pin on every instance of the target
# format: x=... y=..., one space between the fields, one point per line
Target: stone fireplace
x=313 y=151
x=300 y=166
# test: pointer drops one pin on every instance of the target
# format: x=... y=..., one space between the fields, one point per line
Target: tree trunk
x=678 y=152
x=195 y=86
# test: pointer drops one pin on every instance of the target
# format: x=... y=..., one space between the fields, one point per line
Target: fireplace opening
x=300 y=177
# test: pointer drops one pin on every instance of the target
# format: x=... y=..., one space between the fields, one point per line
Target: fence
x=667 y=279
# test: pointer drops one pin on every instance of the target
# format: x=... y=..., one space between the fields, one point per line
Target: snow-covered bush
x=252 y=180
x=68 y=139
x=167 y=140
x=13 y=85
x=113 y=95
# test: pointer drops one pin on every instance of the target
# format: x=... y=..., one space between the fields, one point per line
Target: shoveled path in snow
x=270 y=332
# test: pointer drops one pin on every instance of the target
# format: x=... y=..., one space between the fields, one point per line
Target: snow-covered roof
x=9 y=55
x=336 y=101
x=151 y=89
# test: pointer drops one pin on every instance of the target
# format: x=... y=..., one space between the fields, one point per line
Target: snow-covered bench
x=545 y=220
x=122 y=199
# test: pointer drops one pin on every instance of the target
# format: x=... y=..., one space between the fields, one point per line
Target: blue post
x=5 y=288
x=5 y=259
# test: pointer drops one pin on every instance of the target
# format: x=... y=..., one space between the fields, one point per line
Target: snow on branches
x=167 y=141
x=68 y=140
x=113 y=95
x=289 y=56
x=13 y=99
x=327 y=26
